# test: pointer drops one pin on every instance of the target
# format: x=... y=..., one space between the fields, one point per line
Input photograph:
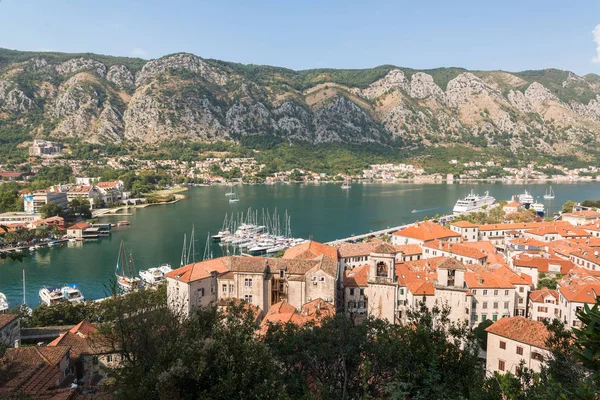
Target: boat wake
x=423 y=210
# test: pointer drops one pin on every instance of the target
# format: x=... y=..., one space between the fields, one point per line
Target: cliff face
x=184 y=97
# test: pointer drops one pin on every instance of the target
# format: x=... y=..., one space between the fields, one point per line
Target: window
x=519 y=350
x=109 y=358
x=224 y=288
x=543 y=309
x=474 y=292
x=476 y=317
x=495 y=292
x=362 y=292
x=349 y=305
x=248 y=282
x=483 y=317
x=506 y=304
x=495 y=317
x=485 y=292
x=322 y=279
x=248 y=298
x=501 y=365
x=351 y=292
x=361 y=304
x=521 y=289
x=231 y=288
x=521 y=301
x=537 y=356
x=496 y=304
x=484 y=304
x=506 y=292
x=282 y=273
x=200 y=292
x=503 y=345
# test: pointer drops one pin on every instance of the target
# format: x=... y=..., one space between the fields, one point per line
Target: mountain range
x=104 y=99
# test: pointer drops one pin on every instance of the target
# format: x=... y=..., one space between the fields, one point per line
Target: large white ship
x=473 y=202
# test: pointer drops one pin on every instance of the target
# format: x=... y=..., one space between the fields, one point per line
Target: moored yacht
x=538 y=208
x=51 y=295
x=155 y=275
x=3 y=303
x=473 y=202
x=72 y=294
x=526 y=199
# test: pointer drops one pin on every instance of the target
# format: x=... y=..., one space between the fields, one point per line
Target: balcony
x=381 y=280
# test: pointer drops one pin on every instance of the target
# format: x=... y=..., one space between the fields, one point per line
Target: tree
x=568 y=206
x=548 y=281
x=51 y=210
x=588 y=339
x=481 y=333
x=80 y=207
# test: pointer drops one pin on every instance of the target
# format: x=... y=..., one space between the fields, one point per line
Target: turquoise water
x=321 y=212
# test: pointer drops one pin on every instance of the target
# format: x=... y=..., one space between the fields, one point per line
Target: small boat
x=538 y=208
x=154 y=276
x=72 y=294
x=3 y=303
x=234 y=200
x=231 y=193
x=124 y=223
x=346 y=185
x=549 y=195
x=32 y=248
x=414 y=211
x=52 y=244
x=72 y=240
x=51 y=295
x=125 y=279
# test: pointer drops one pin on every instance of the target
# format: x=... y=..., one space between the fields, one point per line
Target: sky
x=511 y=35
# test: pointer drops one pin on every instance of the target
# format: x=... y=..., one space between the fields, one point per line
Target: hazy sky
x=509 y=34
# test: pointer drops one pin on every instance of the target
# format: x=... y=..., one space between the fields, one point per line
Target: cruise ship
x=473 y=202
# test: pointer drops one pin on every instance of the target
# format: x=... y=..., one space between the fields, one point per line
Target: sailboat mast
x=24 y=296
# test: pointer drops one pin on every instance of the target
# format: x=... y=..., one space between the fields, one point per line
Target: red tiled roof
x=486 y=280
x=512 y=276
x=311 y=249
x=523 y=241
x=80 y=225
x=456 y=248
x=357 y=277
x=199 y=270
x=347 y=250
x=464 y=224
x=538 y=296
x=427 y=231
x=542 y=264
x=587 y=214
x=581 y=292
x=409 y=249
x=6 y=319
x=522 y=330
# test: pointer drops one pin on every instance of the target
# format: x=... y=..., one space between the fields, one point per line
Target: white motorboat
x=51 y=295
x=276 y=249
x=231 y=193
x=549 y=195
x=473 y=202
x=32 y=249
x=156 y=275
x=72 y=294
x=3 y=303
x=234 y=200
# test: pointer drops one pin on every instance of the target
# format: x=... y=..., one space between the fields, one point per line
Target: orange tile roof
x=581 y=292
x=486 y=280
x=80 y=189
x=464 y=224
x=199 y=270
x=542 y=263
x=409 y=249
x=588 y=254
x=592 y=227
x=347 y=250
x=523 y=241
x=512 y=276
x=108 y=184
x=385 y=248
x=513 y=204
x=515 y=226
x=283 y=313
x=357 y=277
x=427 y=231
x=80 y=225
x=587 y=214
x=421 y=288
x=589 y=242
x=522 y=330
x=456 y=248
x=564 y=230
x=311 y=249
x=538 y=296
x=6 y=319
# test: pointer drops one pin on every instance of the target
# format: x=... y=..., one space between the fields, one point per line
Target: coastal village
x=511 y=276
x=220 y=168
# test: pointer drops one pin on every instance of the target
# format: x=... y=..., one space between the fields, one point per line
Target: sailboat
x=231 y=193
x=234 y=199
x=126 y=279
x=346 y=185
x=549 y=194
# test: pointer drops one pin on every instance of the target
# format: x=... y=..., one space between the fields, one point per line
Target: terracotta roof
x=347 y=250
x=108 y=184
x=564 y=230
x=456 y=248
x=512 y=276
x=283 y=312
x=451 y=263
x=538 y=296
x=592 y=227
x=34 y=355
x=409 y=249
x=581 y=292
x=515 y=226
x=587 y=214
x=80 y=189
x=464 y=224
x=80 y=225
x=199 y=270
x=523 y=241
x=427 y=231
x=588 y=254
x=421 y=288
x=522 y=330
x=357 y=277
x=6 y=319
x=311 y=249
x=385 y=248
x=542 y=264
x=486 y=280
x=318 y=309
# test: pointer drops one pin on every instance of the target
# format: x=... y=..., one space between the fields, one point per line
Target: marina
x=320 y=212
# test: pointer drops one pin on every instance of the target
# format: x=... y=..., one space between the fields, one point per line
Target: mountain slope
x=103 y=99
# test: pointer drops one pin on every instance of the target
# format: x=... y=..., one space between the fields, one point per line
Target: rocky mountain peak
x=395 y=79
x=81 y=64
x=187 y=62
x=423 y=86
